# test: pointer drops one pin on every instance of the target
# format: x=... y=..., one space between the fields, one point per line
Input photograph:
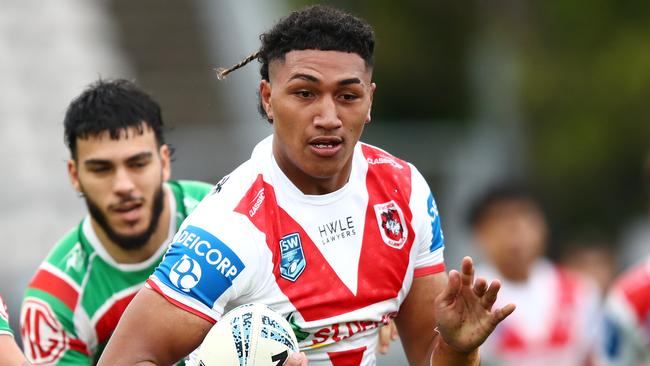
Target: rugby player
x=120 y=165
x=336 y=235
x=10 y=354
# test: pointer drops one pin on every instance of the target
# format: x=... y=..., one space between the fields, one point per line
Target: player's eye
x=139 y=164
x=99 y=168
x=349 y=97
x=305 y=94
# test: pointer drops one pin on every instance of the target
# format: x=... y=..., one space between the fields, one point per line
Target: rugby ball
x=251 y=335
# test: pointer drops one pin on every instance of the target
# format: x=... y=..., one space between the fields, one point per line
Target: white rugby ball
x=251 y=335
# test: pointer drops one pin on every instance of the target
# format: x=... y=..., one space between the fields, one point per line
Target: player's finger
x=503 y=313
x=450 y=292
x=385 y=336
x=480 y=286
x=297 y=359
x=491 y=295
x=393 y=331
x=467 y=268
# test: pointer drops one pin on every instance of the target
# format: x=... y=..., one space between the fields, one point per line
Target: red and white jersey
x=337 y=266
x=625 y=337
x=555 y=323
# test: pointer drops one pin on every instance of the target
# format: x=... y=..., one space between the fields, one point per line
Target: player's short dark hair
x=498 y=194
x=113 y=106
x=315 y=27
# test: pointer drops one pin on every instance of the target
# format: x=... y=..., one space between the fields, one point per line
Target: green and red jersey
x=78 y=294
x=4 y=319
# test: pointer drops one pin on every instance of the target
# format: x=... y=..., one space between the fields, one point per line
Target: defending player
x=625 y=338
x=558 y=310
x=10 y=354
x=336 y=235
x=120 y=164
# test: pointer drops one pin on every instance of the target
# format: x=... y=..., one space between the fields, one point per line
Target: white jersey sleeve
x=211 y=262
x=429 y=238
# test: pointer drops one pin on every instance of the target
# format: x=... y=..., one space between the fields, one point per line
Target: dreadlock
x=312 y=28
x=222 y=72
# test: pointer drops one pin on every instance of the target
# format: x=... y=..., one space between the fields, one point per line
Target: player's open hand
x=464 y=314
x=296 y=359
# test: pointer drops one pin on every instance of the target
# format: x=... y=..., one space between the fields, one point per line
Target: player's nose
x=327 y=116
x=123 y=182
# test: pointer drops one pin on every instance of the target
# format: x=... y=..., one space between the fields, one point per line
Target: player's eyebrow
x=139 y=157
x=305 y=77
x=345 y=82
x=314 y=79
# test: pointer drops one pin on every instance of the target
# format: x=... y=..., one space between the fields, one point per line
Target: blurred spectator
x=626 y=328
x=557 y=310
x=593 y=257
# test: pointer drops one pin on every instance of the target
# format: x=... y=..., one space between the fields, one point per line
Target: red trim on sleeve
x=108 y=322
x=423 y=271
x=55 y=286
x=156 y=288
x=78 y=346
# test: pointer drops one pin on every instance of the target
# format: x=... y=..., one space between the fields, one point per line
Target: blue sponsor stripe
x=199 y=265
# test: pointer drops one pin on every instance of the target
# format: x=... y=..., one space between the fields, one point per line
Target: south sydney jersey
x=337 y=266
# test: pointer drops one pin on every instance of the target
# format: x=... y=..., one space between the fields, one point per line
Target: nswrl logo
x=293 y=261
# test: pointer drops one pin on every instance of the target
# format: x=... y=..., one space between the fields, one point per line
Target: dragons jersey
x=555 y=322
x=625 y=339
x=75 y=299
x=337 y=266
x=4 y=319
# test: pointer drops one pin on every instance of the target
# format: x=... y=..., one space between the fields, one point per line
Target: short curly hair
x=113 y=106
x=314 y=27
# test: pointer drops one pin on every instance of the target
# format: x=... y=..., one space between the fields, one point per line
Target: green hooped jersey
x=4 y=319
x=77 y=296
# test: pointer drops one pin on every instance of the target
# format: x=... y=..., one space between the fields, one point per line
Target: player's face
x=319 y=102
x=513 y=235
x=121 y=180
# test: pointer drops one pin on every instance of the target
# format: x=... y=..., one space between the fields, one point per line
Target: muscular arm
x=459 y=307
x=153 y=331
x=416 y=323
x=10 y=354
x=416 y=320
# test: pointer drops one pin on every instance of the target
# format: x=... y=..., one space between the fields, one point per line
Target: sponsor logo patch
x=392 y=225
x=186 y=273
x=43 y=335
x=293 y=261
x=437 y=237
x=199 y=264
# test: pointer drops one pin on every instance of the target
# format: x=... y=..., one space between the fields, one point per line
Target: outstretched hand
x=464 y=315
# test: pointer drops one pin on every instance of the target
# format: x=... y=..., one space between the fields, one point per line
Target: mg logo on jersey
x=391 y=224
x=42 y=332
x=186 y=273
x=293 y=259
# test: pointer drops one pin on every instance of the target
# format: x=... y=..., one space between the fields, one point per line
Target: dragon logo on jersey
x=293 y=261
x=43 y=332
x=391 y=224
x=186 y=273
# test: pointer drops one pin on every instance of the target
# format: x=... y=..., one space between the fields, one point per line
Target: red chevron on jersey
x=374 y=284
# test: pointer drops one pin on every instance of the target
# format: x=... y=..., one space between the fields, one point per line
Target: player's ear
x=165 y=161
x=265 y=96
x=373 y=86
x=73 y=173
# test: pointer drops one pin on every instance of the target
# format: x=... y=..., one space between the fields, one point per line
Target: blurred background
x=553 y=94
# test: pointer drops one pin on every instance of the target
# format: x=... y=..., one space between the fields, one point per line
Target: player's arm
x=458 y=307
x=153 y=331
x=10 y=354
